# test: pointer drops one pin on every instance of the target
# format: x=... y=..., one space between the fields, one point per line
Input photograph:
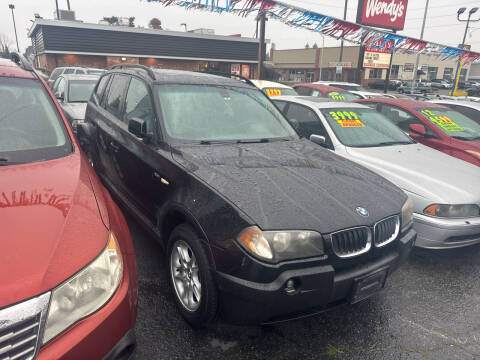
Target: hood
x=423 y=171
x=75 y=111
x=294 y=185
x=50 y=226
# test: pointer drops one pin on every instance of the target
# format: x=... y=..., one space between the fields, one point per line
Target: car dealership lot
x=429 y=310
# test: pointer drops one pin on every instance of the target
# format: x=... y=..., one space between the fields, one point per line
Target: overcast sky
x=442 y=25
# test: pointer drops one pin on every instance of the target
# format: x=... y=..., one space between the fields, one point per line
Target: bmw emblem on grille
x=361 y=211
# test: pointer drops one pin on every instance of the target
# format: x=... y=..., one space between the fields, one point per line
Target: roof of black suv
x=165 y=76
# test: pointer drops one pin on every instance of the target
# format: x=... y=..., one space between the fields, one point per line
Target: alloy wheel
x=185 y=276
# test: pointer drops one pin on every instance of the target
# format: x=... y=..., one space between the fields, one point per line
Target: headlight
x=407 y=213
x=85 y=292
x=276 y=246
x=475 y=154
x=452 y=211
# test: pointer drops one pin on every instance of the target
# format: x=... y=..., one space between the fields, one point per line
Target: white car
x=353 y=88
x=273 y=88
x=432 y=179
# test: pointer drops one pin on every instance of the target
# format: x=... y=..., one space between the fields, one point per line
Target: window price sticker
x=336 y=96
x=346 y=119
x=274 y=92
x=444 y=122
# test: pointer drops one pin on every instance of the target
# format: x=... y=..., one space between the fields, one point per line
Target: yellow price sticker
x=336 y=96
x=443 y=121
x=274 y=92
x=347 y=119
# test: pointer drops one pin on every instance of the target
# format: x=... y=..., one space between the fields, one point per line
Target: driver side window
x=305 y=121
x=399 y=117
x=138 y=104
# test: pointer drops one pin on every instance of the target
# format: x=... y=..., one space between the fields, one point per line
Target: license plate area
x=367 y=285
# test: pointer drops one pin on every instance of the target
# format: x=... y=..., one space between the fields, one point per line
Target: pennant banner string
x=294 y=16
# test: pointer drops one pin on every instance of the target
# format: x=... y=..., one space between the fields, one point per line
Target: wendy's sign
x=389 y=14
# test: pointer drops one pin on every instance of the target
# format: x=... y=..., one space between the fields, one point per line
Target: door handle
x=114 y=147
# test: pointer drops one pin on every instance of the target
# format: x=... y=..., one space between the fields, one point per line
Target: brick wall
x=187 y=65
x=51 y=61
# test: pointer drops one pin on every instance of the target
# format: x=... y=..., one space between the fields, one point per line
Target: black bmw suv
x=257 y=224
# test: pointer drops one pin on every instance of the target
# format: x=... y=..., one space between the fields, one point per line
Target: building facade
x=307 y=65
x=61 y=43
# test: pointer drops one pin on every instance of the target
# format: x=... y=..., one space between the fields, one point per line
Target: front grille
x=351 y=242
x=20 y=328
x=19 y=340
x=386 y=231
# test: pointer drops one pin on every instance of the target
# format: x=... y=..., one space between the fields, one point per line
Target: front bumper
x=441 y=233
x=320 y=288
x=106 y=334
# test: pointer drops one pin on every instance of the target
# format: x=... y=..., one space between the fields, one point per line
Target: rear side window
x=68 y=71
x=30 y=126
x=115 y=94
x=55 y=74
x=301 y=90
x=102 y=84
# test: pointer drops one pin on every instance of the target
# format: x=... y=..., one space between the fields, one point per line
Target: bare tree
x=6 y=44
x=155 y=24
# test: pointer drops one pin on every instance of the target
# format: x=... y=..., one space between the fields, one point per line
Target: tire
x=200 y=299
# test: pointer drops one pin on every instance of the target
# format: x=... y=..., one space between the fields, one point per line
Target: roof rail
x=20 y=60
x=228 y=75
x=143 y=67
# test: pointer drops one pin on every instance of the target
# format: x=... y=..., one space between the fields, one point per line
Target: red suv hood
x=50 y=226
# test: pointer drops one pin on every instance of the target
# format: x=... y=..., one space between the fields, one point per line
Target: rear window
x=277 y=91
x=80 y=90
x=30 y=126
x=342 y=96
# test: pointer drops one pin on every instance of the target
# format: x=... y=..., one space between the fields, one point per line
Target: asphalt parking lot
x=430 y=309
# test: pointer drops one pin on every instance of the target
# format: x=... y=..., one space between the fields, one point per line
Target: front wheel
x=192 y=283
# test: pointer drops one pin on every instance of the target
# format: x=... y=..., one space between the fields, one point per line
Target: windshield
x=30 y=128
x=358 y=127
x=349 y=87
x=342 y=96
x=80 y=90
x=452 y=123
x=95 y=72
x=219 y=113
x=277 y=91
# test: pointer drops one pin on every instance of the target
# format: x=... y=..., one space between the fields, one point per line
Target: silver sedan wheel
x=185 y=278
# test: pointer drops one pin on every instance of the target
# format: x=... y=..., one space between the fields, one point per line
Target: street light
x=11 y=7
x=470 y=13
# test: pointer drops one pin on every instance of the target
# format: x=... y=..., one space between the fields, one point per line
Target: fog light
x=290 y=287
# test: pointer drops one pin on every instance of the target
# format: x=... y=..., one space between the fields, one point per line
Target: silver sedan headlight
x=452 y=211
x=275 y=246
x=407 y=213
x=85 y=292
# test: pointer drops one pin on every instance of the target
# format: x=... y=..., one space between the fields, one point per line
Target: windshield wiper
x=241 y=141
x=251 y=141
x=388 y=143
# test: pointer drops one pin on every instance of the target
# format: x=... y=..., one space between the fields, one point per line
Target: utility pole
x=68 y=5
x=417 y=61
x=387 y=79
x=261 y=46
x=58 y=11
x=11 y=7
x=341 y=43
x=459 y=66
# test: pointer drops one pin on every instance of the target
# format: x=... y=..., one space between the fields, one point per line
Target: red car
x=326 y=91
x=434 y=125
x=68 y=278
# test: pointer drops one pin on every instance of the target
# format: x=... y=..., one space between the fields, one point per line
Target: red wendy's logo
x=388 y=14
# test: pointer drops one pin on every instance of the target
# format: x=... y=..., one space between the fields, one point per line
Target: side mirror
x=418 y=129
x=59 y=96
x=317 y=139
x=138 y=127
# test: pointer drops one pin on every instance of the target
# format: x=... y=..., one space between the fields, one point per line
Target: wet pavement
x=430 y=309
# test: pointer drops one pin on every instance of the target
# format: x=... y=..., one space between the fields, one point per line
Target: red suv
x=68 y=278
x=434 y=125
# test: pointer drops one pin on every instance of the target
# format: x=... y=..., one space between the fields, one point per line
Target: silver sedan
x=444 y=190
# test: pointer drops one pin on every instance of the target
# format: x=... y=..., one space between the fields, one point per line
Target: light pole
x=11 y=7
x=459 y=66
x=341 y=43
x=417 y=60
